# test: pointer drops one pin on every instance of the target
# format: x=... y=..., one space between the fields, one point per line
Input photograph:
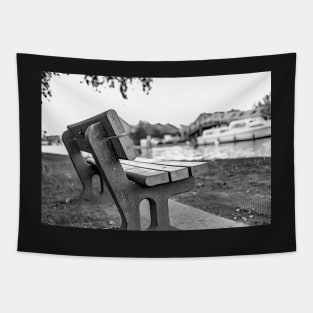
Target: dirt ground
x=233 y=189
x=237 y=189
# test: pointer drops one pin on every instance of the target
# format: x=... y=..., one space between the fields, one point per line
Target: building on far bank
x=50 y=140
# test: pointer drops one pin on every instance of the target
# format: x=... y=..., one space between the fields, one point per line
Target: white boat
x=240 y=130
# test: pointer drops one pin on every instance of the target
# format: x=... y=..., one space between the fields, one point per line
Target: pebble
x=68 y=200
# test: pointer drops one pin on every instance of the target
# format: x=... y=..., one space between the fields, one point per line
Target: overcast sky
x=171 y=100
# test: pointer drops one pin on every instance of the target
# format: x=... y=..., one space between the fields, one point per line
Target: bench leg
x=85 y=172
x=133 y=219
x=158 y=198
x=159 y=213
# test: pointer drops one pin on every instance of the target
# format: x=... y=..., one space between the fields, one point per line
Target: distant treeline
x=144 y=129
x=265 y=104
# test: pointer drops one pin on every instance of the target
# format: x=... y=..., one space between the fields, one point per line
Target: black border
x=277 y=237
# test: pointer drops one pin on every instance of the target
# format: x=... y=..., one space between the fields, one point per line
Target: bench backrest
x=114 y=130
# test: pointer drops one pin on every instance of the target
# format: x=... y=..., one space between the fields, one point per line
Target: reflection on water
x=244 y=149
x=57 y=149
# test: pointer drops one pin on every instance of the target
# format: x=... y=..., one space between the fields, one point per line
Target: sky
x=171 y=100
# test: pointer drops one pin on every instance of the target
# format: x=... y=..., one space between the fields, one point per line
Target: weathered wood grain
x=143 y=176
x=176 y=173
x=113 y=128
x=195 y=168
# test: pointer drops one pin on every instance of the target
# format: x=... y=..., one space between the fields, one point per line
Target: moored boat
x=240 y=130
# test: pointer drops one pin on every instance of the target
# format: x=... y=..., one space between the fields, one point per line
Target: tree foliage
x=98 y=83
x=144 y=129
x=266 y=105
x=45 y=83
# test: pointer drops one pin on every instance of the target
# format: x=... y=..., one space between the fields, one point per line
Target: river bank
x=188 y=152
x=233 y=188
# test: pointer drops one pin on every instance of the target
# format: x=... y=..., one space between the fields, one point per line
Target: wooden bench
x=129 y=181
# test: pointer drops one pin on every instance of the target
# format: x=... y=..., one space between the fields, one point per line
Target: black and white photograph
x=159 y=154
x=143 y=166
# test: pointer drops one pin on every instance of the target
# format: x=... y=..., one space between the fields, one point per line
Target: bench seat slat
x=141 y=175
x=195 y=168
x=175 y=173
x=145 y=176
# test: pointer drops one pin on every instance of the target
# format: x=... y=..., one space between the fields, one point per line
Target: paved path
x=182 y=216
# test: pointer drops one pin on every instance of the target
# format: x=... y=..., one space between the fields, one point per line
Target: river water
x=245 y=149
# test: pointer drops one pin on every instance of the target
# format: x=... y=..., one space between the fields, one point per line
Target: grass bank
x=233 y=188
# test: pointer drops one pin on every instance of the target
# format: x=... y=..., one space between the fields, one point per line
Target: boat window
x=238 y=125
x=224 y=131
x=256 y=125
